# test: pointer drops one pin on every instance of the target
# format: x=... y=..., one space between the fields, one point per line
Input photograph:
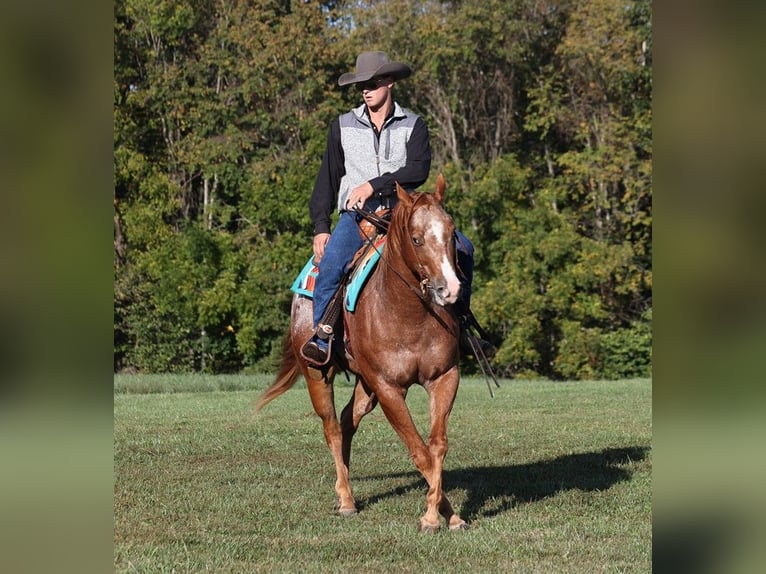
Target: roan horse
x=402 y=332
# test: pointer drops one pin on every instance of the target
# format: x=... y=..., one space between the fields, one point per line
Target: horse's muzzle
x=444 y=295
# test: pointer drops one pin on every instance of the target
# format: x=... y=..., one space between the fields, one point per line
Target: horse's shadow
x=492 y=490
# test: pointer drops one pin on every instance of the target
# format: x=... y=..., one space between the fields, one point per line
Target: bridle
x=382 y=224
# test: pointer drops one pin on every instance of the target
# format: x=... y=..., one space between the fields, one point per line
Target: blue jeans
x=465 y=266
x=345 y=241
x=339 y=251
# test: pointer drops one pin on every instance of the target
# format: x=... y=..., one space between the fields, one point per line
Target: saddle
x=372 y=229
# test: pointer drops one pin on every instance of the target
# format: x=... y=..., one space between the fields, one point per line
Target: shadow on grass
x=492 y=490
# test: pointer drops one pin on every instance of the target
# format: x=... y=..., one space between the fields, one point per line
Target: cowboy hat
x=373 y=64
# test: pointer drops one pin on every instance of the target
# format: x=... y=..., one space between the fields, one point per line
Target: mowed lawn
x=553 y=477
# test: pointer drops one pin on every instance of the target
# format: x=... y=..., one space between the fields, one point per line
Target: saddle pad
x=364 y=267
x=306 y=279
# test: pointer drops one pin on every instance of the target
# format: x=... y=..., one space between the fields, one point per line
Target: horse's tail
x=288 y=374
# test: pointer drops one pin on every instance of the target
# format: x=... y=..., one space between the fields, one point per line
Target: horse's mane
x=397 y=229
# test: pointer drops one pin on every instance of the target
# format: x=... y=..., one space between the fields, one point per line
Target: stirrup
x=312 y=353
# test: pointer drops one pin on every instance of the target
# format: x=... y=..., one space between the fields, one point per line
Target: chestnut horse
x=402 y=332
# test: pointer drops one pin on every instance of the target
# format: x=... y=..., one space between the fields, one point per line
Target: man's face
x=375 y=91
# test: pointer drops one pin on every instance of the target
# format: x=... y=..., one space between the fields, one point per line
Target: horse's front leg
x=323 y=400
x=442 y=393
x=392 y=401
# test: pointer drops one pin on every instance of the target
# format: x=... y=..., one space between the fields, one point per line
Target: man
x=368 y=150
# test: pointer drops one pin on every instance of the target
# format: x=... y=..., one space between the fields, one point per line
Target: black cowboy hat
x=372 y=65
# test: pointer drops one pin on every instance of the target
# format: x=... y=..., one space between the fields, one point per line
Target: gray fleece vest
x=367 y=157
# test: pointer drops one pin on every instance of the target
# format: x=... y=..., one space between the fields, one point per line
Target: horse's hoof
x=346 y=512
x=462 y=525
x=428 y=528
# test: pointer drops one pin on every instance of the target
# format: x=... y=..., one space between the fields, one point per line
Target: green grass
x=553 y=477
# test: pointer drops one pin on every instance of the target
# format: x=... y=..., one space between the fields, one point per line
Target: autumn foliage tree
x=540 y=117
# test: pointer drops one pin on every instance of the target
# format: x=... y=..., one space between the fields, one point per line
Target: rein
x=381 y=223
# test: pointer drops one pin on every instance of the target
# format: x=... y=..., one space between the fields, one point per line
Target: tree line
x=540 y=120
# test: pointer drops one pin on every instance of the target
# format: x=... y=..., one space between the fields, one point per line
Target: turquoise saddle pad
x=306 y=279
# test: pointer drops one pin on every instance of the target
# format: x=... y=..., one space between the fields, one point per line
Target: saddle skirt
x=363 y=264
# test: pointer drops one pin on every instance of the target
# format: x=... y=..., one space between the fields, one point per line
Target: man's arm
x=327 y=183
x=415 y=173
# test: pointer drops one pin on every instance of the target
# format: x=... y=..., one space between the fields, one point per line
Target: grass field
x=553 y=477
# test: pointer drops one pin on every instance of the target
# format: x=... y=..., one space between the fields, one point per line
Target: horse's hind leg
x=323 y=400
x=442 y=394
x=361 y=403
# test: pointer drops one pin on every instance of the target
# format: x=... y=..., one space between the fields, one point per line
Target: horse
x=402 y=332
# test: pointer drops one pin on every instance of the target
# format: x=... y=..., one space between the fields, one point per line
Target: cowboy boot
x=317 y=350
x=469 y=342
x=472 y=334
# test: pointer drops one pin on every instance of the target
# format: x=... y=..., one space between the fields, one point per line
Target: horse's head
x=425 y=237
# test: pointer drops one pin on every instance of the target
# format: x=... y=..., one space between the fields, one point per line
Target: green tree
x=215 y=123
x=591 y=109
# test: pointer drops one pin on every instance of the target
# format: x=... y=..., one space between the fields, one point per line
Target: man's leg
x=467 y=320
x=465 y=266
x=343 y=244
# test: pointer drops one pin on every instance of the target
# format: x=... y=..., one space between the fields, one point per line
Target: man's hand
x=320 y=240
x=359 y=195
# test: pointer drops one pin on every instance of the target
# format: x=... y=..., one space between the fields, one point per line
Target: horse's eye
x=417 y=241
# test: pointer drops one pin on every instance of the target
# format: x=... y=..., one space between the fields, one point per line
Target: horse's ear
x=440 y=187
x=403 y=196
